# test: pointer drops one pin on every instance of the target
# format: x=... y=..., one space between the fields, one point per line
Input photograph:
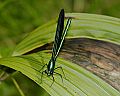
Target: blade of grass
x=17 y=86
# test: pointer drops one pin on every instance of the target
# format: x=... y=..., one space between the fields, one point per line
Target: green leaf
x=78 y=81
x=83 y=25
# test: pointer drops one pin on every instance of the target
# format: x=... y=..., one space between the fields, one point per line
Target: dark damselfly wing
x=58 y=35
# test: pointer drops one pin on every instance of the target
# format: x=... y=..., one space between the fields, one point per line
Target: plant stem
x=18 y=87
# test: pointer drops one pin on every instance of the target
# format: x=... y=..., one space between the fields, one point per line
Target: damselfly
x=58 y=42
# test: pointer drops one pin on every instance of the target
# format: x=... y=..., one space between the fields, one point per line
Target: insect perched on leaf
x=58 y=42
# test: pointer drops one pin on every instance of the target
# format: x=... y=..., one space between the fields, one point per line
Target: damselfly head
x=48 y=72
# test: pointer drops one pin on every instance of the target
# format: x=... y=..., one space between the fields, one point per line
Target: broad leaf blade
x=83 y=25
x=78 y=82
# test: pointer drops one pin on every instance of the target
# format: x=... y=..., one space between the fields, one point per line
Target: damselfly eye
x=51 y=72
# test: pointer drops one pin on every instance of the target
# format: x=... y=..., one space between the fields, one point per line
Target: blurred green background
x=19 y=17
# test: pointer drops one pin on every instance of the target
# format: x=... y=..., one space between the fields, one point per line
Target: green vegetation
x=19 y=18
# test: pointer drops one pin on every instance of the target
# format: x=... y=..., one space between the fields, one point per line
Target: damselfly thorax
x=50 y=67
